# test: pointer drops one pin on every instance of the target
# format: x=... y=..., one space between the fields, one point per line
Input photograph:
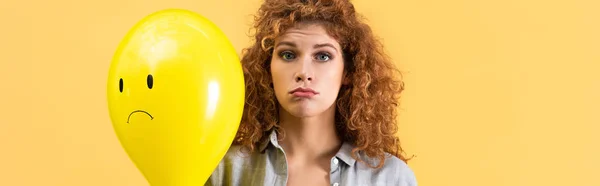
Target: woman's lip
x=305 y=90
x=304 y=94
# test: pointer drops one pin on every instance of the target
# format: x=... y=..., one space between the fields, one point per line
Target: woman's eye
x=323 y=57
x=287 y=55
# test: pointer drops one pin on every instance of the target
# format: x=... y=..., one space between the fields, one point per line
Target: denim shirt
x=268 y=167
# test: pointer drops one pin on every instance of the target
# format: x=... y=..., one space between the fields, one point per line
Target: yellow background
x=502 y=92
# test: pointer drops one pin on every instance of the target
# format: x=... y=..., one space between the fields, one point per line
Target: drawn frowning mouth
x=151 y=118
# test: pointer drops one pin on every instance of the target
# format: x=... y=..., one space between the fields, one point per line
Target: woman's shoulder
x=237 y=155
x=393 y=169
x=237 y=165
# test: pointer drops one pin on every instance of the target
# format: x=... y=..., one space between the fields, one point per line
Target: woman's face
x=307 y=70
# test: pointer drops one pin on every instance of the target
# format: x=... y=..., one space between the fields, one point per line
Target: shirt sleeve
x=406 y=177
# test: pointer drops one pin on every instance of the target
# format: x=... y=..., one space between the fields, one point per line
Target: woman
x=321 y=102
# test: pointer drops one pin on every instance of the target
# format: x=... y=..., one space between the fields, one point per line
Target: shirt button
x=335 y=161
x=335 y=184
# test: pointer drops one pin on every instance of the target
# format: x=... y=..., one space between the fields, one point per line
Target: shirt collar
x=272 y=139
x=344 y=154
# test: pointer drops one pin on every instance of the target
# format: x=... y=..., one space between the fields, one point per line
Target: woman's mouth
x=303 y=92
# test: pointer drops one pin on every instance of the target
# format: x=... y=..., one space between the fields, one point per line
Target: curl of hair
x=366 y=107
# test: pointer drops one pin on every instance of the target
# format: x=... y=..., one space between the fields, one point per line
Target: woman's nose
x=303 y=77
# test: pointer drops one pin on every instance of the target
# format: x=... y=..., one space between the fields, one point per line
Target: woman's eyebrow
x=291 y=44
x=286 y=43
x=325 y=45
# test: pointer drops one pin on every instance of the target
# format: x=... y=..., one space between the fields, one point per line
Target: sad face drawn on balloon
x=150 y=82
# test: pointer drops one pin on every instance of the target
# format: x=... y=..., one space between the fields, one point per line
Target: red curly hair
x=366 y=107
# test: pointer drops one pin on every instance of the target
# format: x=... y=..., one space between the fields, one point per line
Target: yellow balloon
x=175 y=96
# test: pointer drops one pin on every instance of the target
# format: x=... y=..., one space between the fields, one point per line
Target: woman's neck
x=309 y=139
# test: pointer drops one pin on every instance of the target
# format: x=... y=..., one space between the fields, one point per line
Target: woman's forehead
x=307 y=34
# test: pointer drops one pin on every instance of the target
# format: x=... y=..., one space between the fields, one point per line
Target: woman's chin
x=302 y=111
